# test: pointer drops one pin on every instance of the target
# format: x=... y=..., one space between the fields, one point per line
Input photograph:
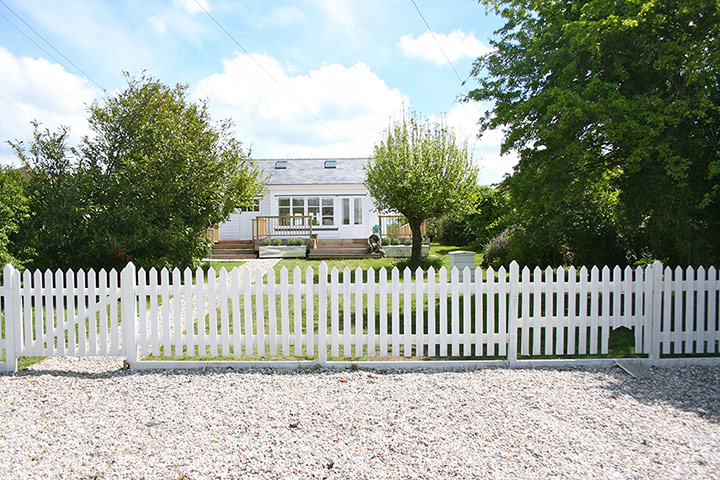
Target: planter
x=403 y=251
x=283 y=251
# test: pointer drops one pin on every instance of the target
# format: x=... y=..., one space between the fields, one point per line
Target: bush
x=277 y=242
x=396 y=241
x=296 y=242
x=497 y=250
x=386 y=241
x=408 y=241
x=266 y=242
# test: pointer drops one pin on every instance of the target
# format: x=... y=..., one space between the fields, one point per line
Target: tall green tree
x=13 y=209
x=420 y=170
x=614 y=96
x=155 y=174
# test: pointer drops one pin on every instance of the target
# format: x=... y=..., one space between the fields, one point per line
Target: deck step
x=233 y=249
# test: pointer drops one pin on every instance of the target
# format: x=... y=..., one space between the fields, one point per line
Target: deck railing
x=397 y=226
x=282 y=226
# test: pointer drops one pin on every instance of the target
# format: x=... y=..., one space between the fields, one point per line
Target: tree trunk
x=416 y=254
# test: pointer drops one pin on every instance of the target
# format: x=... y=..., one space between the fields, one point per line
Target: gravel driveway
x=85 y=418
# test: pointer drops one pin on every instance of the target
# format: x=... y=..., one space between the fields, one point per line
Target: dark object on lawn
x=375 y=245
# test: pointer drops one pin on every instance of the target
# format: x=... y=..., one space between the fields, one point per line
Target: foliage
x=421 y=171
x=13 y=209
x=296 y=242
x=489 y=218
x=618 y=99
x=498 y=249
x=154 y=176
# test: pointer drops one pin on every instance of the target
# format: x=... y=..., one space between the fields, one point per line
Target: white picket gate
x=173 y=318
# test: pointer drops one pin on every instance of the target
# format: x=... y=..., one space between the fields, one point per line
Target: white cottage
x=326 y=195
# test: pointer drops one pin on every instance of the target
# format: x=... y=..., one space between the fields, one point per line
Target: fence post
x=322 y=314
x=513 y=314
x=13 y=342
x=128 y=279
x=656 y=312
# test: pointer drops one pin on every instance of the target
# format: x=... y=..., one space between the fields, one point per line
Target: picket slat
x=212 y=312
x=167 y=308
x=297 y=311
x=309 y=313
x=442 y=301
x=272 y=313
x=383 y=313
x=480 y=338
x=419 y=317
x=59 y=333
x=467 y=315
x=407 y=312
x=347 y=312
x=224 y=313
x=395 y=305
x=583 y=316
x=371 y=299
x=358 y=287
x=334 y=313
x=260 y=314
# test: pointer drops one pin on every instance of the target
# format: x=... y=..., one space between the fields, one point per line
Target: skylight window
x=280 y=164
x=329 y=163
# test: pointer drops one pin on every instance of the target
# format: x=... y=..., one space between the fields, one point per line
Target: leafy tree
x=620 y=97
x=156 y=173
x=13 y=208
x=420 y=170
x=488 y=219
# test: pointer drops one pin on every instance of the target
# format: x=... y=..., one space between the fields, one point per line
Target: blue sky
x=353 y=63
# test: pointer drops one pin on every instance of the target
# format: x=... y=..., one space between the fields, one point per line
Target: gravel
x=85 y=418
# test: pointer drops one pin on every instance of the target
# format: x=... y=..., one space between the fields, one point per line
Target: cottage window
x=346 y=211
x=320 y=209
x=357 y=207
x=328 y=211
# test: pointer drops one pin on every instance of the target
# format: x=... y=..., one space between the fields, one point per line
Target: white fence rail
x=177 y=316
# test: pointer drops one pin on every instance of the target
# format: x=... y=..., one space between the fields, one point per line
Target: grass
x=439 y=252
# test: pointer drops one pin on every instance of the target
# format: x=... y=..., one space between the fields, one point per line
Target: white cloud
x=352 y=101
x=455 y=45
x=192 y=5
x=463 y=118
x=36 y=89
x=158 y=25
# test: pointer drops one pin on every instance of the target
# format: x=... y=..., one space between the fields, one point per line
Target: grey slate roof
x=312 y=171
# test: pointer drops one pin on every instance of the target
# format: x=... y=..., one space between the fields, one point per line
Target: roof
x=312 y=171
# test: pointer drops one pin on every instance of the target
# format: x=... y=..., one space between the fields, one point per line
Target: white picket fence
x=170 y=319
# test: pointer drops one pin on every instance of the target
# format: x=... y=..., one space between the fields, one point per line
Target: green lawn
x=440 y=252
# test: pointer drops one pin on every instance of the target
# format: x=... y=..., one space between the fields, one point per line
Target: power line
x=17 y=108
x=276 y=80
x=50 y=44
x=462 y=82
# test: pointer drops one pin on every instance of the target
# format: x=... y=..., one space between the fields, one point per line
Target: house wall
x=238 y=227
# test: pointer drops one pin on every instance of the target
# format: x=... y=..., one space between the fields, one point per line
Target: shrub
x=267 y=242
x=396 y=241
x=497 y=250
x=408 y=241
x=296 y=242
x=386 y=241
x=277 y=242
